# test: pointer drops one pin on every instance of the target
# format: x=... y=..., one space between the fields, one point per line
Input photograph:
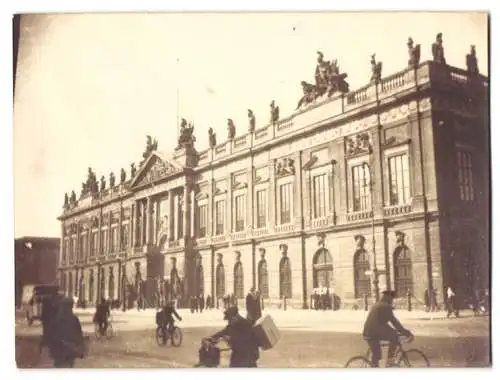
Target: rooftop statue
x=309 y=94
x=133 y=170
x=231 y=129
x=376 y=70
x=123 y=175
x=471 y=61
x=66 y=200
x=212 y=139
x=103 y=183
x=72 y=198
x=151 y=146
x=251 y=121
x=275 y=112
x=186 y=135
x=414 y=53
x=112 y=180
x=438 y=50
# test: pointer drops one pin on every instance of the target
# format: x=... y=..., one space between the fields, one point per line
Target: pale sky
x=90 y=87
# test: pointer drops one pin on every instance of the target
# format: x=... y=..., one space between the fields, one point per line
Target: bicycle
x=402 y=357
x=108 y=331
x=164 y=334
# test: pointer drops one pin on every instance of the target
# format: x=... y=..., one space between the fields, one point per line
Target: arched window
x=322 y=269
x=263 y=284
x=111 y=285
x=91 y=287
x=220 y=281
x=285 y=278
x=403 y=278
x=238 y=280
x=70 y=284
x=361 y=278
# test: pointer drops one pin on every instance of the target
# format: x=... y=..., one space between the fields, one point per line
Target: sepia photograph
x=252 y=189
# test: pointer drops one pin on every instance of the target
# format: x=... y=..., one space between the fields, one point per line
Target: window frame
x=279 y=217
x=391 y=153
x=351 y=164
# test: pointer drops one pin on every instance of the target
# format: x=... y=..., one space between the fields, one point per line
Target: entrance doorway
x=322 y=269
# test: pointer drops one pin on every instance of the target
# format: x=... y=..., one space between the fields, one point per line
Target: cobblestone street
x=462 y=342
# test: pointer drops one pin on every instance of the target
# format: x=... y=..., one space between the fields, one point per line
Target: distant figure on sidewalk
x=201 y=301
x=209 y=302
x=451 y=302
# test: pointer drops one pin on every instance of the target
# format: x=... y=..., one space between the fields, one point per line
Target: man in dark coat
x=201 y=301
x=377 y=328
x=65 y=337
x=241 y=338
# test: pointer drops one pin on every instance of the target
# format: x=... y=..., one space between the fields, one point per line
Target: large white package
x=266 y=332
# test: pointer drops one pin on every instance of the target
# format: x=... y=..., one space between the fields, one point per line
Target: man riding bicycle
x=101 y=316
x=165 y=318
x=377 y=328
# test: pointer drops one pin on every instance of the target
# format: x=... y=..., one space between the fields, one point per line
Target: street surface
x=309 y=339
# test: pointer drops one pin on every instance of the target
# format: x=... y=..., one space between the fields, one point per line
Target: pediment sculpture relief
x=358 y=144
x=158 y=170
x=285 y=166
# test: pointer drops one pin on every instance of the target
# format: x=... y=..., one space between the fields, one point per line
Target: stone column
x=307 y=199
x=89 y=242
x=340 y=186
x=147 y=216
x=109 y=231
x=210 y=206
x=331 y=189
x=251 y=209
x=170 y=214
x=297 y=183
x=62 y=246
x=185 y=219
x=193 y=213
x=271 y=201
x=376 y=173
x=229 y=202
x=99 y=236
x=132 y=226
x=120 y=229
x=176 y=215
x=77 y=248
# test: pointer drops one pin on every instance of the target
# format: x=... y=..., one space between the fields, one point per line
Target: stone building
x=383 y=187
x=36 y=262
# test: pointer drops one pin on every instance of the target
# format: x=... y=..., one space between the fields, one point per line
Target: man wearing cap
x=244 y=346
x=377 y=328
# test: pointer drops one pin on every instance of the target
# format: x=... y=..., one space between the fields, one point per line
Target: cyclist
x=165 y=318
x=244 y=346
x=101 y=316
x=377 y=328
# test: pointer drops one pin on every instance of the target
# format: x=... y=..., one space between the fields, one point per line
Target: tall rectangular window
x=94 y=243
x=239 y=220
x=73 y=248
x=104 y=242
x=66 y=251
x=399 y=180
x=202 y=220
x=261 y=208
x=114 y=239
x=361 y=188
x=219 y=217
x=464 y=161
x=285 y=203
x=320 y=194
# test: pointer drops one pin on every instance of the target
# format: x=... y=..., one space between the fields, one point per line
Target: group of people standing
x=198 y=304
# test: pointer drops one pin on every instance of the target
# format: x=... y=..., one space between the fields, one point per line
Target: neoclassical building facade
x=357 y=191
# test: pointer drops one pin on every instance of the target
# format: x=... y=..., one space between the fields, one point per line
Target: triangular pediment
x=156 y=167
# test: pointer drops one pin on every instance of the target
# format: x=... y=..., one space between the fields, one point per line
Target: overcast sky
x=90 y=87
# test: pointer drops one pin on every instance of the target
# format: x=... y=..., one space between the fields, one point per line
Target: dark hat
x=390 y=293
x=230 y=312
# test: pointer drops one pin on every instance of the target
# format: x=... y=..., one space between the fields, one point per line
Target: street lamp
x=374 y=272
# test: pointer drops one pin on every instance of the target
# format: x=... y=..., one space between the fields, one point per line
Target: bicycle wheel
x=161 y=339
x=413 y=358
x=176 y=337
x=358 y=362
